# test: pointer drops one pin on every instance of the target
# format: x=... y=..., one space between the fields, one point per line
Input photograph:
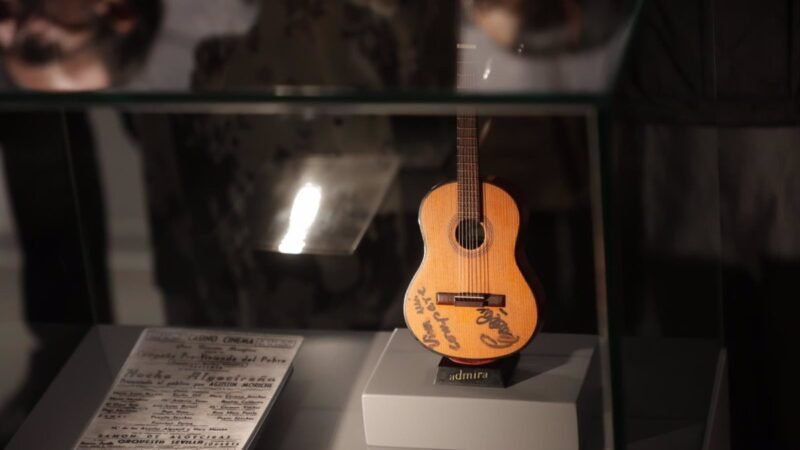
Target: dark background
x=709 y=95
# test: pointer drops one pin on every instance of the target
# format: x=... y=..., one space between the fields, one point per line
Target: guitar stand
x=493 y=374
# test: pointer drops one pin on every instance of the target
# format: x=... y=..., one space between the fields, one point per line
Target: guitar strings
x=462 y=187
x=474 y=264
x=467 y=135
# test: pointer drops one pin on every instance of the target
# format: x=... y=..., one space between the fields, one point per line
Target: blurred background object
x=76 y=45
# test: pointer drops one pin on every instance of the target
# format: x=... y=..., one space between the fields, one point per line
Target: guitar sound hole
x=470 y=233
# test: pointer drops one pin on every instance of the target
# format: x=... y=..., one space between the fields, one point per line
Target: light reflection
x=304 y=211
x=488 y=70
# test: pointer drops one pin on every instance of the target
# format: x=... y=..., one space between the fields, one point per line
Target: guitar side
x=470 y=332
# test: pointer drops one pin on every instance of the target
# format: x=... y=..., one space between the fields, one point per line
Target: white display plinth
x=552 y=403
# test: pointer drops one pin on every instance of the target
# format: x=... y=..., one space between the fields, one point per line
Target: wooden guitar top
x=470 y=302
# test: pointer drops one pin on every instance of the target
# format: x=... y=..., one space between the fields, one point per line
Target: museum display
x=470 y=300
x=192 y=389
x=189 y=186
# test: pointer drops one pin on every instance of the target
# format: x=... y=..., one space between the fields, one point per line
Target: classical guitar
x=469 y=300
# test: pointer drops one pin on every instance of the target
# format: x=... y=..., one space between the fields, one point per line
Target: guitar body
x=470 y=302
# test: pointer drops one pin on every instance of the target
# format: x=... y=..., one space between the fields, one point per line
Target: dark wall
x=707 y=207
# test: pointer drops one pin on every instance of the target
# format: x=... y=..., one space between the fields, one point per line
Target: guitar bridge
x=470 y=299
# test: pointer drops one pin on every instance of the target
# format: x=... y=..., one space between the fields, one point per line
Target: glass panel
x=181 y=191
x=175 y=195
x=47 y=295
x=672 y=365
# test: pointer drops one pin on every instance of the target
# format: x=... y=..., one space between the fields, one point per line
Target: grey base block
x=553 y=401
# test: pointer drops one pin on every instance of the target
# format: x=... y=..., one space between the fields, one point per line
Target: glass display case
x=260 y=165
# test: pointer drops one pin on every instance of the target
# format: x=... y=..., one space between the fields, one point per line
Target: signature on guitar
x=505 y=338
x=429 y=338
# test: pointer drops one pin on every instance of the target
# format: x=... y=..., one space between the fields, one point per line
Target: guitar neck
x=468 y=174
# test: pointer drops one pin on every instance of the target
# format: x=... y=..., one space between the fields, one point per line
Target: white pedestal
x=552 y=403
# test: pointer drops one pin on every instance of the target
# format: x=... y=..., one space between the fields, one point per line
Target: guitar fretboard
x=468 y=175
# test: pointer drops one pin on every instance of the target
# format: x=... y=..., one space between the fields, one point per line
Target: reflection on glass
x=547 y=26
x=354 y=187
x=180 y=46
x=304 y=211
x=75 y=45
x=488 y=69
x=567 y=46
